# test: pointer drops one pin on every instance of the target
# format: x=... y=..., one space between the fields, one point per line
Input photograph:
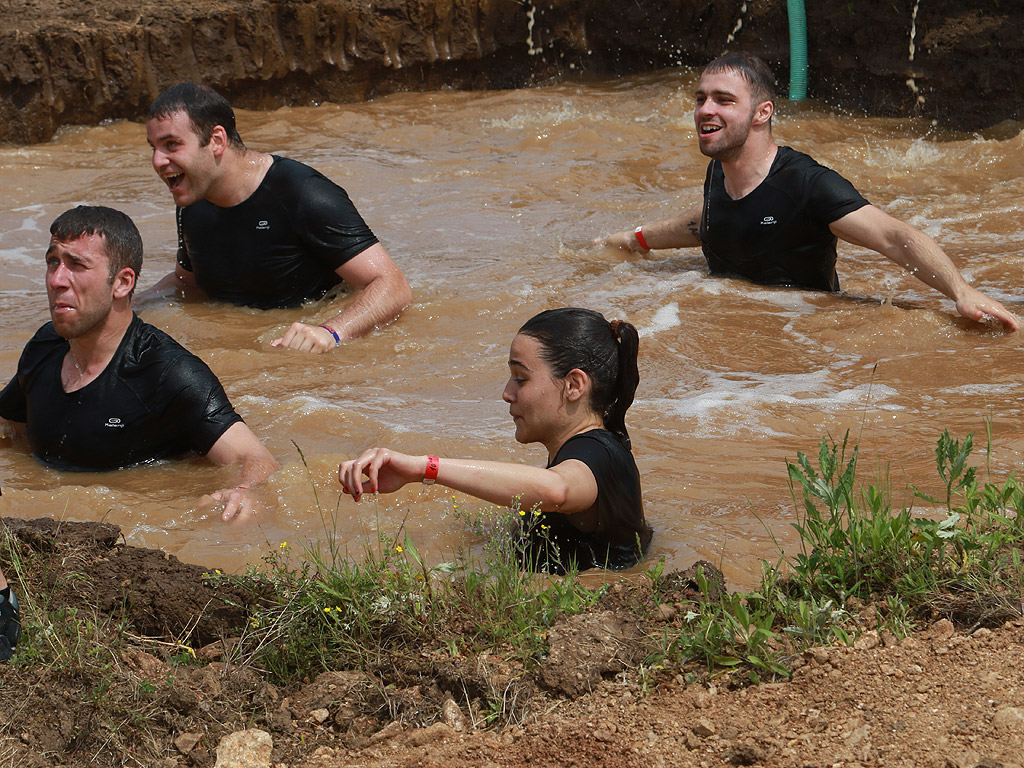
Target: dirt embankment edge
x=64 y=62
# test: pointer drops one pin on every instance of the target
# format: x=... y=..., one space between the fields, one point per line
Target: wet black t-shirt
x=154 y=400
x=779 y=233
x=613 y=532
x=278 y=248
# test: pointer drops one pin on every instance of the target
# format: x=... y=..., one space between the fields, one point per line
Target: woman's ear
x=576 y=385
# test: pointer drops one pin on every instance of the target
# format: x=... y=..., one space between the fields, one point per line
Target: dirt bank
x=167 y=691
x=66 y=62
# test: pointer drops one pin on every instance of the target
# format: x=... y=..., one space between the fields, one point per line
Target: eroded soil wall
x=75 y=61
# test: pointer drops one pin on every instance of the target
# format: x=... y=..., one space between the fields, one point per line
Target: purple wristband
x=334 y=333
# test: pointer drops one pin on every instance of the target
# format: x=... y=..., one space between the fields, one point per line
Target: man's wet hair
x=758 y=75
x=571 y=337
x=122 y=238
x=206 y=109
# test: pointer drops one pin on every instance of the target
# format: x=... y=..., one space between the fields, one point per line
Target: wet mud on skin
x=937 y=699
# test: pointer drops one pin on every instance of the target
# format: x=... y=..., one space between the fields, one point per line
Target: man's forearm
x=681 y=231
x=378 y=303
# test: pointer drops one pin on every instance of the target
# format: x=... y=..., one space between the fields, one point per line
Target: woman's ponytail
x=626 y=382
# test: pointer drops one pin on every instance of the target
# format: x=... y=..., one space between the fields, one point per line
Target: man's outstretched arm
x=682 y=231
x=912 y=249
x=382 y=295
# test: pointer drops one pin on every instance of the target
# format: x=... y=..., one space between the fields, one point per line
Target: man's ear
x=576 y=385
x=218 y=140
x=764 y=112
x=124 y=283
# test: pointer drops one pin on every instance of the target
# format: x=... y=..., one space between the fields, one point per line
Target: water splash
x=530 y=16
x=911 y=83
x=739 y=24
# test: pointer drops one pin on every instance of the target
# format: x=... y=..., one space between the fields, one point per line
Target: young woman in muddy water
x=572 y=377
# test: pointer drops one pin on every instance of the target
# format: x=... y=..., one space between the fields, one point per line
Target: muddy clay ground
x=941 y=698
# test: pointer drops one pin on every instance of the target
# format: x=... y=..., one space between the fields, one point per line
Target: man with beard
x=264 y=231
x=97 y=389
x=773 y=215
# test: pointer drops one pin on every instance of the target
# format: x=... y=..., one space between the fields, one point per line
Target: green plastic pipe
x=797 y=49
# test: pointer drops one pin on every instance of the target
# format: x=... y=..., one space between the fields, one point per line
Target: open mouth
x=708 y=129
x=173 y=182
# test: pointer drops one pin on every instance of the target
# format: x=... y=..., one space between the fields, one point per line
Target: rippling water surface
x=489 y=202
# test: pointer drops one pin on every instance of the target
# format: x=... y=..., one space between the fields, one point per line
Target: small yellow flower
x=398 y=549
x=522 y=513
x=327 y=609
x=284 y=545
x=218 y=571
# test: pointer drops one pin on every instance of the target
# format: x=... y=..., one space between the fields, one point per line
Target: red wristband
x=430 y=474
x=639 y=232
x=334 y=333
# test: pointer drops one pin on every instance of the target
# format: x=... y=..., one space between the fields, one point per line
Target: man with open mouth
x=265 y=231
x=773 y=215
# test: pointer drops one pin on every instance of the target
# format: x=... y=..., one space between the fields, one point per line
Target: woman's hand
x=385 y=470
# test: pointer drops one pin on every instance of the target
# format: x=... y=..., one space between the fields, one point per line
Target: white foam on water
x=730 y=405
x=665 y=318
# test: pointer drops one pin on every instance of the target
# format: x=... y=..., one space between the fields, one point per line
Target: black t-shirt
x=779 y=233
x=278 y=248
x=613 y=532
x=155 y=399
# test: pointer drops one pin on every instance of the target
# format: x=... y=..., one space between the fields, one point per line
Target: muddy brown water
x=489 y=202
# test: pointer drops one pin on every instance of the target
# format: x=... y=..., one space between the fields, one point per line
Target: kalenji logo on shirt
x=768 y=220
x=113 y=421
x=263 y=225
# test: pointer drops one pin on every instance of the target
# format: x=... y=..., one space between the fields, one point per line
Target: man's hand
x=239 y=503
x=974 y=305
x=306 y=338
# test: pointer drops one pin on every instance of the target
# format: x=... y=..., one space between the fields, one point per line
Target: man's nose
x=57 y=276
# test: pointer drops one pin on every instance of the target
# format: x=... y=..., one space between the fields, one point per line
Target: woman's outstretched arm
x=567 y=487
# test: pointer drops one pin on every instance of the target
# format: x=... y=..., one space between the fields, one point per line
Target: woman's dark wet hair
x=206 y=109
x=571 y=337
x=122 y=238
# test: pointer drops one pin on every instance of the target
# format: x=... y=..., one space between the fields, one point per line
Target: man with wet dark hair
x=206 y=109
x=773 y=215
x=265 y=231
x=98 y=389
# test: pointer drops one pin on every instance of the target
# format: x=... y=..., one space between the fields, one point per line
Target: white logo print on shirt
x=263 y=225
x=768 y=220
x=113 y=421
